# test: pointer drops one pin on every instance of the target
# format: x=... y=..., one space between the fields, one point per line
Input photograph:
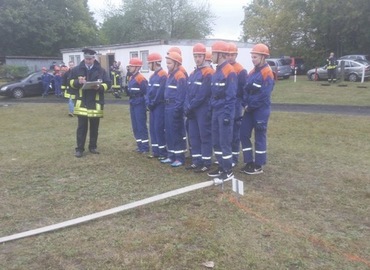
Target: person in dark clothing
x=89 y=101
x=331 y=66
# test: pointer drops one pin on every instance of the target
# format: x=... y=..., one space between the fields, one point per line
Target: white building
x=106 y=54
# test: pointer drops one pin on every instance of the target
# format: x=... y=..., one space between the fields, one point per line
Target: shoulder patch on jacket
x=266 y=72
x=227 y=69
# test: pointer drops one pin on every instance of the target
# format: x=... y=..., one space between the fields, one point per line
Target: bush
x=10 y=72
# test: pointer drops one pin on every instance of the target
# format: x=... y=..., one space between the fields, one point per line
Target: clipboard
x=91 y=85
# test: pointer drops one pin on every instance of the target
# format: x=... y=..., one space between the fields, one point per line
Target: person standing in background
x=46 y=80
x=331 y=66
x=69 y=93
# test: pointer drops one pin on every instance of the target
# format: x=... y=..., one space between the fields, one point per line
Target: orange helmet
x=135 y=62
x=233 y=48
x=208 y=56
x=175 y=57
x=220 y=47
x=174 y=49
x=261 y=49
x=199 y=48
x=154 y=57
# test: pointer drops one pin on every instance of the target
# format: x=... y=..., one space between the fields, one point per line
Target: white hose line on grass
x=111 y=211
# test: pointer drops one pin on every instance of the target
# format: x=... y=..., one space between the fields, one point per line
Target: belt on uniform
x=168 y=101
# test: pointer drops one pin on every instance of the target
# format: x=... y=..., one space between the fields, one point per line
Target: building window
x=144 y=58
x=75 y=58
x=134 y=54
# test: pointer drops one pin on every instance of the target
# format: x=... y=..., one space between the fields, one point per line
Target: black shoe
x=226 y=176
x=255 y=169
x=247 y=167
x=161 y=157
x=191 y=167
x=215 y=173
x=202 y=169
x=94 y=151
x=78 y=153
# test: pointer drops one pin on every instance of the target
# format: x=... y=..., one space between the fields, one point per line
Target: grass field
x=309 y=210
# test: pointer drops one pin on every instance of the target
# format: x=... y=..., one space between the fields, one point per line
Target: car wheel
x=314 y=77
x=18 y=93
x=352 y=77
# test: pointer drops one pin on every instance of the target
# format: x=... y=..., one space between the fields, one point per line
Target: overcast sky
x=229 y=14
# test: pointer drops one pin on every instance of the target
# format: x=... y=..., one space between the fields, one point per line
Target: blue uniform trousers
x=200 y=137
x=157 y=131
x=235 y=144
x=139 y=127
x=175 y=135
x=221 y=139
x=255 y=120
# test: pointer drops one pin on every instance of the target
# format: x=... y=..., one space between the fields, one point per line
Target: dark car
x=352 y=71
x=280 y=67
x=29 y=86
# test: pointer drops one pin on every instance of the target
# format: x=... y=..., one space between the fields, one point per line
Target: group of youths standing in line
x=214 y=111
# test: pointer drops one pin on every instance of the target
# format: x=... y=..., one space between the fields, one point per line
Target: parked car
x=352 y=71
x=355 y=57
x=29 y=86
x=297 y=63
x=280 y=67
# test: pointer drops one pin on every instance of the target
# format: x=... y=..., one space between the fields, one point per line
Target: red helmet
x=175 y=57
x=154 y=57
x=199 y=48
x=208 y=56
x=220 y=46
x=233 y=48
x=135 y=62
x=261 y=49
x=174 y=49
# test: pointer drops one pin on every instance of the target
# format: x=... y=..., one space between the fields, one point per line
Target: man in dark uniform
x=89 y=101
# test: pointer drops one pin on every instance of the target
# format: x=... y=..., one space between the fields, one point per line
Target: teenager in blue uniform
x=224 y=85
x=256 y=103
x=136 y=90
x=196 y=109
x=155 y=104
x=174 y=95
x=241 y=74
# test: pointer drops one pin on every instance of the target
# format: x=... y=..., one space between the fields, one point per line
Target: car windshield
x=31 y=76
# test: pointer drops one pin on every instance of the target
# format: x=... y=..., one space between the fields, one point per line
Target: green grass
x=304 y=91
x=309 y=210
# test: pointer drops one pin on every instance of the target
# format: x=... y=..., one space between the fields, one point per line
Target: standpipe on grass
x=111 y=211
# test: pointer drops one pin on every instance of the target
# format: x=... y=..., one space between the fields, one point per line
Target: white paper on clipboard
x=91 y=85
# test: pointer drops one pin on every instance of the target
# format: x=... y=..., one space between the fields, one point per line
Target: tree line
x=308 y=28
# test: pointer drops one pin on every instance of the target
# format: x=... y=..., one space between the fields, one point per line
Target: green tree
x=43 y=27
x=140 y=20
x=309 y=28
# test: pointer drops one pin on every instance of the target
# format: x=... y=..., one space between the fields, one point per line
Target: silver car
x=280 y=67
x=352 y=71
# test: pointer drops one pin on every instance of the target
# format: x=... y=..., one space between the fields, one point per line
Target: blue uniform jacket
x=258 y=88
x=175 y=91
x=199 y=88
x=224 y=85
x=156 y=86
x=137 y=87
